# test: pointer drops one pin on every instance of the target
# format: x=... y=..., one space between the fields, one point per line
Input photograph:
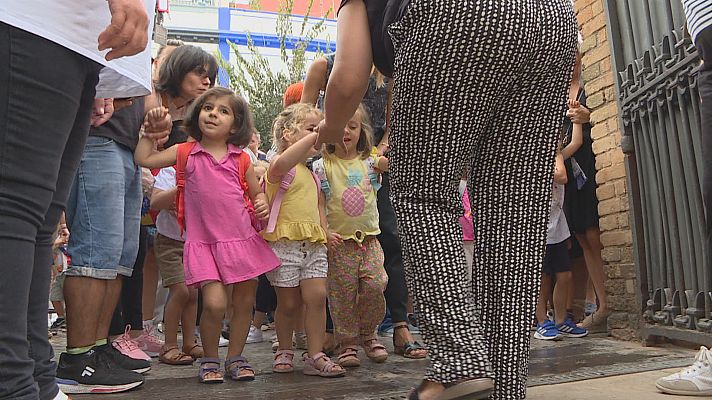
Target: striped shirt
x=699 y=16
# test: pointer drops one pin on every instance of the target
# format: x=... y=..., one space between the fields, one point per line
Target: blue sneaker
x=568 y=328
x=546 y=331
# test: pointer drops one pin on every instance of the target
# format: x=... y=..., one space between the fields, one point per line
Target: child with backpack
x=357 y=279
x=217 y=188
x=296 y=232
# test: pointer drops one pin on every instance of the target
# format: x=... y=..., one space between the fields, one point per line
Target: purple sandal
x=234 y=367
x=207 y=366
x=283 y=357
x=328 y=370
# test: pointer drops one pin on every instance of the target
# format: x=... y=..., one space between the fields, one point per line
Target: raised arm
x=147 y=156
x=352 y=67
x=295 y=154
x=315 y=81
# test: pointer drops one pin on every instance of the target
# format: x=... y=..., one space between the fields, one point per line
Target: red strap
x=182 y=152
x=243 y=164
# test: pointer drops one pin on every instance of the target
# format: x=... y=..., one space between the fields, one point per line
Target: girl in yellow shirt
x=298 y=238
x=357 y=279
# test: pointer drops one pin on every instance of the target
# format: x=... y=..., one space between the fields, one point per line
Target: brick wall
x=616 y=234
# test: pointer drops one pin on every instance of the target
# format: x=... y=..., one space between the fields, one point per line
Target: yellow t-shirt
x=299 y=213
x=351 y=208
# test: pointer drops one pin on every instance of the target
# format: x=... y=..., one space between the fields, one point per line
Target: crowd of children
x=226 y=218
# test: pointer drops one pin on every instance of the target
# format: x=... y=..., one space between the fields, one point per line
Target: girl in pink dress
x=222 y=248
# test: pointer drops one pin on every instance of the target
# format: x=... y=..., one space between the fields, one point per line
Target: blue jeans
x=46 y=95
x=104 y=211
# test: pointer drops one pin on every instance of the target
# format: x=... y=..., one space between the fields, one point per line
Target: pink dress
x=220 y=243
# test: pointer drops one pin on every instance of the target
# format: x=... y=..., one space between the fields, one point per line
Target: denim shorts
x=104 y=211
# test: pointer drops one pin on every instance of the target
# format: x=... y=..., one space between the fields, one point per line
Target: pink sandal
x=375 y=350
x=283 y=357
x=328 y=370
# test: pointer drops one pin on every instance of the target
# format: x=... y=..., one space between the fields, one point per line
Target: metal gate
x=656 y=65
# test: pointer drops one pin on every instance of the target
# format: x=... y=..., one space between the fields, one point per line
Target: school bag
x=243 y=164
x=320 y=173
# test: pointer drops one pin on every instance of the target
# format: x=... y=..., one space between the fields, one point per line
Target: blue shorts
x=104 y=211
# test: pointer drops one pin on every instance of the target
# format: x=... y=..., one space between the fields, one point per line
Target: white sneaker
x=255 y=335
x=223 y=342
x=61 y=396
x=695 y=380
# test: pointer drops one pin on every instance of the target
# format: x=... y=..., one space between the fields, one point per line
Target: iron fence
x=656 y=66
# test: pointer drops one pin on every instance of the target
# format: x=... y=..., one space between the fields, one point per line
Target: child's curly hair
x=242 y=128
x=365 y=139
x=290 y=119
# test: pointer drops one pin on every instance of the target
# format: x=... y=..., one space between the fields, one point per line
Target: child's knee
x=180 y=293
x=214 y=307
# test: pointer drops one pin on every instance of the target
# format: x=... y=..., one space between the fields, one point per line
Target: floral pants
x=357 y=280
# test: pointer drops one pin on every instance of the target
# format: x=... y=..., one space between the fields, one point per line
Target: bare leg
x=190 y=312
x=544 y=296
x=83 y=298
x=243 y=302
x=289 y=301
x=591 y=244
x=561 y=291
x=214 y=304
x=174 y=309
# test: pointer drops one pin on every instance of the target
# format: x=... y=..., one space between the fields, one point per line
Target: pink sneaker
x=129 y=347
x=149 y=343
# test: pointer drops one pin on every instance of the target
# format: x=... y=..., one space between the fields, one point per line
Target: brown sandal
x=196 y=351
x=172 y=356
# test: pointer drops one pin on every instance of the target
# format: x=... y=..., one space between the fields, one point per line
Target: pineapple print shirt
x=351 y=208
x=299 y=213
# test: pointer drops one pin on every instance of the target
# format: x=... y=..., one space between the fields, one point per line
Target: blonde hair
x=365 y=139
x=290 y=119
x=380 y=78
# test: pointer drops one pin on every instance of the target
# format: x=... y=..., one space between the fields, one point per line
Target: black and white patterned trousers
x=479 y=85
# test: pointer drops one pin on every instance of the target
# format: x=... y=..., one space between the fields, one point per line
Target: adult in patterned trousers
x=462 y=70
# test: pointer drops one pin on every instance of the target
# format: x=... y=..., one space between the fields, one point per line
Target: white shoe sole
x=254 y=340
x=537 y=335
x=683 y=392
x=78 y=388
x=573 y=335
x=141 y=370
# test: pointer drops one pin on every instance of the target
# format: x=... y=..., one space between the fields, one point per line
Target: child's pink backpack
x=277 y=201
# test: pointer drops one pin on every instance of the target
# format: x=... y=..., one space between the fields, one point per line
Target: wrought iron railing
x=657 y=67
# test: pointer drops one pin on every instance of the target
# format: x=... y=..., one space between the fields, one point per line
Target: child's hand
x=578 y=113
x=333 y=239
x=261 y=208
x=157 y=124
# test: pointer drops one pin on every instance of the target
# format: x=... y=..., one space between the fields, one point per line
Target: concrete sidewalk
x=624 y=387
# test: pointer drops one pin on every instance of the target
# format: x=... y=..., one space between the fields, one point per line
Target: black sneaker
x=123 y=361
x=93 y=372
x=59 y=323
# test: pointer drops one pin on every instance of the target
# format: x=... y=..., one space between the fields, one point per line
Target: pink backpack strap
x=277 y=201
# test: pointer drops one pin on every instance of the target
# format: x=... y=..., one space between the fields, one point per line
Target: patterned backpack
x=352 y=198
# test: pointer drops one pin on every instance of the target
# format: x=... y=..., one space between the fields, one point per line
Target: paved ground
x=580 y=361
x=624 y=387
